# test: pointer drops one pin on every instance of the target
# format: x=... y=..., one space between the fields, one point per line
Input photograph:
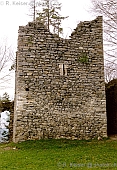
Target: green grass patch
x=58 y=155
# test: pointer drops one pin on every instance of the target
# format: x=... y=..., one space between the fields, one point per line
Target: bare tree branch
x=6 y=61
x=108 y=8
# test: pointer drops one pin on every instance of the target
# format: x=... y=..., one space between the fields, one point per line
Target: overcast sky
x=15 y=13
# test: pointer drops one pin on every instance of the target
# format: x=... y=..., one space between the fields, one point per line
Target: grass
x=58 y=155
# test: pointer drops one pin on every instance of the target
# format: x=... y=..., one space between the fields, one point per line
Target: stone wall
x=60 y=89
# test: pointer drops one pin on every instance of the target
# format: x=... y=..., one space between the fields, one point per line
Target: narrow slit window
x=63 y=69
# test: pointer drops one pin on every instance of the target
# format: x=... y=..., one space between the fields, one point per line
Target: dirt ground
x=113 y=137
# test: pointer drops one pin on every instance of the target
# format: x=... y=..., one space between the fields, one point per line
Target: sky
x=15 y=13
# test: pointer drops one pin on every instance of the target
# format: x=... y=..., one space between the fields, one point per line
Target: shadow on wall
x=111 y=106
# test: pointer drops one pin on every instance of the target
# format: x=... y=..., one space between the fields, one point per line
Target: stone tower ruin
x=60 y=88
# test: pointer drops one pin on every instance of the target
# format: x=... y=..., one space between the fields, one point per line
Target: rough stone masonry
x=60 y=89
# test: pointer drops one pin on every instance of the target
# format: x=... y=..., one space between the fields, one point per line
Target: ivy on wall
x=83 y=58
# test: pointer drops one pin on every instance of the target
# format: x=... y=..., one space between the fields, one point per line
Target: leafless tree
x=6 y=64
x=108 y=9
x=110 y=71
x=34 y=6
